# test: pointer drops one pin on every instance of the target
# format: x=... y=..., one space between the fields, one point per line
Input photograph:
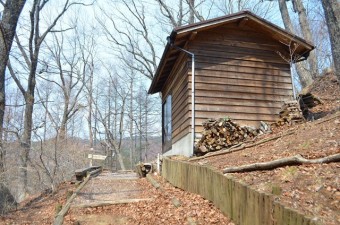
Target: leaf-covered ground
x=311 y=189
x=39 y=209
x=160 y=210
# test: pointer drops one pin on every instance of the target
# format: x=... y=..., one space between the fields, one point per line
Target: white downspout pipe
x=193 y=103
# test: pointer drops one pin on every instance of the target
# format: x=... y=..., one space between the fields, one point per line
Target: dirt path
x=109 y=188
x=151 y=206
x=158 y=207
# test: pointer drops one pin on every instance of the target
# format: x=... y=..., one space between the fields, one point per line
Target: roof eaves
x=284 y=32
x=219 y=20
x=160 y=66
x=206 y=23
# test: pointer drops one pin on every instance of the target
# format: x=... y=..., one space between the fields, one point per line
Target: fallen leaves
x=311 y=189
x=160 y=211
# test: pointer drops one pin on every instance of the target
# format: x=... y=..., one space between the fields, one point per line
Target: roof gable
x=180 y=36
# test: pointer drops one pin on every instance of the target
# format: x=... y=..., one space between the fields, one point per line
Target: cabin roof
x=180 y=36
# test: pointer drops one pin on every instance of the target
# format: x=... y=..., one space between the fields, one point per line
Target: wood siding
x=238 y=74
x=177 y=86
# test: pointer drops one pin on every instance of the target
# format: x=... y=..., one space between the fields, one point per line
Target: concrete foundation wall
x=181 y=147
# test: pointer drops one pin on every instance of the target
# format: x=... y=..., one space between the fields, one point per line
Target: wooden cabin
x=242 y=71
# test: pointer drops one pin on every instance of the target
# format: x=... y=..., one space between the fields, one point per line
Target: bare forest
x=74 y=78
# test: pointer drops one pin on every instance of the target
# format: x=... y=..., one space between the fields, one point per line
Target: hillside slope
x=313 y=189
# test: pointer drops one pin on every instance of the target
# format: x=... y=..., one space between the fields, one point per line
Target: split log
x=143 y=169
x=290 y=114
x=289 y=161
x=222 y=133
x=153 y=182
x=176 y=202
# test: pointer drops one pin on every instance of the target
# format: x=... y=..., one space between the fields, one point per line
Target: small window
x=167 y=126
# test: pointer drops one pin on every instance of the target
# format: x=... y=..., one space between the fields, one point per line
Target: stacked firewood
x=290 y=113
x=222 y=133
x=143 y=168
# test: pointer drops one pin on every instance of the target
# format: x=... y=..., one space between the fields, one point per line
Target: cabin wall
x=239 y=74
x=177 y=86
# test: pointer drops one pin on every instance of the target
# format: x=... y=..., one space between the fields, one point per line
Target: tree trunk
x=63 y=126
x=131 y=126
x=285 y=16
x=46 y=115
x=140 y=131
x=192 y=13
x=11 y=12
x=307 y=34
x=95 y=119
x=146 y=128
x=89 y=117
x=305 y=78
x=110 y=151
x=332 y=15
x=25 y=144
x=120 y=160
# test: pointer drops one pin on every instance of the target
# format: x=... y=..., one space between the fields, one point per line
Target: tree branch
x=289 y=161
x=15 y=78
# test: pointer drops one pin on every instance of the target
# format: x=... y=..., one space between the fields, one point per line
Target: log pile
x=222 y=133
x=143 y=169
x=290 y=114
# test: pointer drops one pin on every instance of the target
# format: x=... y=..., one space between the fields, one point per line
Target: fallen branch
x=59 y=219
x=176 y=202
x=241 y=147
x=336 y=115
x=153 y=181
x=289 y=161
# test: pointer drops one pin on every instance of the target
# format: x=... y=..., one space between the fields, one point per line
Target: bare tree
x=111 y=106
x=8 y=24
x=133 y=38
x=332 y=14
x=305 y=78
x=259 y=7
x=131 y=30
x=307 y=34
x=72 y=67
x=31 y=57
x=90 y=102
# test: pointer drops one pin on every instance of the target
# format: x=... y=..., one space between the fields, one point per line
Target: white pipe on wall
x=193 y=102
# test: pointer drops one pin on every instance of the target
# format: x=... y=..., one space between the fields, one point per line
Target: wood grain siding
x=239 y=74
x=242 y=72
x=177 y=86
